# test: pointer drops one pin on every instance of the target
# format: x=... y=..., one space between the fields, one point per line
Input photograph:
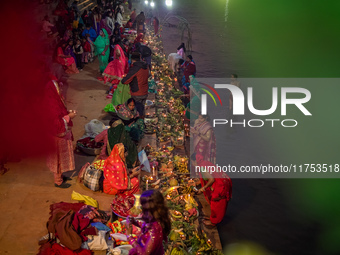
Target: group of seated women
x=120 y=150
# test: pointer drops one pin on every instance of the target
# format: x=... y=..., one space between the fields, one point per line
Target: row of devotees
x=126 y=62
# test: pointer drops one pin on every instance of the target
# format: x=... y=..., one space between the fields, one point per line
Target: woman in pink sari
x=67 y=62
x=204 y=139
x=115 y=69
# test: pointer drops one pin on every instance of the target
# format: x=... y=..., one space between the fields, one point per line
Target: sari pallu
x=116 y=68
x=205 y=148
x=136 y=128
x=117 y=134
x=116 y=178
x=100 y=44
x=68 y=63
x=221 y=189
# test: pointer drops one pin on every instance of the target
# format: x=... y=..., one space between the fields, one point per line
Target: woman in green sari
x=129 y=115
x=194 y=106
x=117 y=134
x=102 y=50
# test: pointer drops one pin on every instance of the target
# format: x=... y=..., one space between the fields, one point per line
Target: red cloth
x=116 y=176
x=81 y=224
x=221 y=188
x=155 y=25
x=139 y=38
x=133 y=16
x=87 y=46
x=57 y=109
x=189 y=69
x=59 y=250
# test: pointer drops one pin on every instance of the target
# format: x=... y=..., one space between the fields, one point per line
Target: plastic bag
x=98 y=243
x=86 y=199
x=109 y=108
x=144 y=161
x=94 y=127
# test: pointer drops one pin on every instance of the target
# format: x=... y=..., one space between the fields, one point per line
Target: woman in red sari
x=60 y=121
x=155 y=228
x=67 y=62
x=117 y=180
x=204 y=139
x=114 y=71
x=217 y=189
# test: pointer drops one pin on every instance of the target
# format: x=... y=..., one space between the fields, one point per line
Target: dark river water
x=267 y=39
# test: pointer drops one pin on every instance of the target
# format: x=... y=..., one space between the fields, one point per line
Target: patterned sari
x=116 y=177
x=62 y=159
x=136 y=128
x=116 y=68
x=117 y=134
x=202 y=147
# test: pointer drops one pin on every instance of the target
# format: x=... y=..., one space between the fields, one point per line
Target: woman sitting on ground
x=129 y=115
x=117 y=134
x=155 y=228
x=117 y=180
x=66 y=61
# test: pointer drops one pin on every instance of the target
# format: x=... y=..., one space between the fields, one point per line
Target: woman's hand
x=103 y=53
x=72 y=114
x=135 y=173
x=201 y=190
x=193 y=130
x=128 y=225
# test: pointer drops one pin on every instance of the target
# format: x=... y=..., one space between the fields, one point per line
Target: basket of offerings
x=126 y=205
x=89 y=146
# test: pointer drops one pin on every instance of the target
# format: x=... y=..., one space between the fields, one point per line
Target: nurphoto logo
x=238 y=104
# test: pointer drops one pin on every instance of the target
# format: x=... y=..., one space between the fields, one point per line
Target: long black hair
x=182 y=46
x=153 y=203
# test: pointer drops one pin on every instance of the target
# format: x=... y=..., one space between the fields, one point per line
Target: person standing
x=236 y=83
x=133 y=15
x=78 y=51
x=189 y=68
x=119 y=17
x=146 y=53
x=90 y=31
x=60 y=120
x=204 y=140
x=137 y=78
x=102 y=49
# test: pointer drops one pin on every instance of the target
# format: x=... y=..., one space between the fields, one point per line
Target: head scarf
x=115 y=170
x=117 y=134
x=125 y=113
x=101 y=42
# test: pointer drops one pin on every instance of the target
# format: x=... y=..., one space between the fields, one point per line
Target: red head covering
x=115 y=170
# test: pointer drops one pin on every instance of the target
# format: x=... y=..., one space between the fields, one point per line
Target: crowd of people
x=100 y=33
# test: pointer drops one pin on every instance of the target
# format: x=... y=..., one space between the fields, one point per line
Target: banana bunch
x=187 y=189
x=177 y=251
x=190 y=200
x=188 y=206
